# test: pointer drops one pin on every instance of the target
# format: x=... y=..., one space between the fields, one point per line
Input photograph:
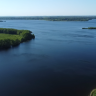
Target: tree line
x=51 y=18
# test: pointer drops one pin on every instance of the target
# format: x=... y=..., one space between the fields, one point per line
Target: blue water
x=61 y=61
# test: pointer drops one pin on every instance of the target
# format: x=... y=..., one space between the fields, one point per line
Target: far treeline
x=51 y=18
x=13 y=37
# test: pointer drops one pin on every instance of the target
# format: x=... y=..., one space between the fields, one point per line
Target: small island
x=90 y=28
x=13 y=37
x=1 y=21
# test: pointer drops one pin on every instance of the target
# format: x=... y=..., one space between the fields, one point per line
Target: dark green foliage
x=15 y=42
x=8 y=31
x=5 y=43
x=13 y=37
x=26 y=35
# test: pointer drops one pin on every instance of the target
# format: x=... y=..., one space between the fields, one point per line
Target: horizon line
x=47 y=15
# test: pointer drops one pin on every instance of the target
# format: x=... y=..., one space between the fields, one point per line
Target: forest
x=13 y=37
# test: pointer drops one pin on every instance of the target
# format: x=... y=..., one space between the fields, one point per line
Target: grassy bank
x=13 y=37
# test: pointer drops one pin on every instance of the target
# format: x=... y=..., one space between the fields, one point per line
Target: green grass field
x=10 y=36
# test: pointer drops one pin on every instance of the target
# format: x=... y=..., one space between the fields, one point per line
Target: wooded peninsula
x=13 y=37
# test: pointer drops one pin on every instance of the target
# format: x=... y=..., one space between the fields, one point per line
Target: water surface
x=61 y=61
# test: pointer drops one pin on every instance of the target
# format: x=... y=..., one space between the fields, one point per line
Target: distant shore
x=51 y=18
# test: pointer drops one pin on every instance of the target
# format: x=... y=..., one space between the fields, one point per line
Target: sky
x=47 y=7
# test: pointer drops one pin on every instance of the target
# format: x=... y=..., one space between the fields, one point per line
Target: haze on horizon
x=47 y=7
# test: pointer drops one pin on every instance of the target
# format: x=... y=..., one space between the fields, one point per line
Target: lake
x=60 y=61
